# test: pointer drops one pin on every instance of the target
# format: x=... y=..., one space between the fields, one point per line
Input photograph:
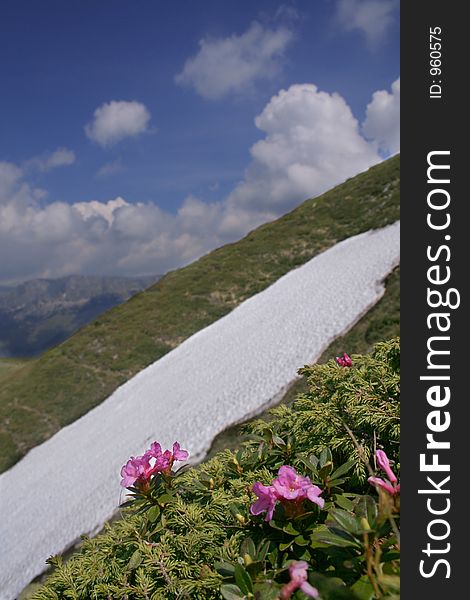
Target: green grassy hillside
x=9 y=366
x=72 y=378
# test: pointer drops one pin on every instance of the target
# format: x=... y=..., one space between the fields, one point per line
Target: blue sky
x=134 y=137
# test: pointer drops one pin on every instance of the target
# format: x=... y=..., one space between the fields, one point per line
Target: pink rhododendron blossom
x=378 y=482
x=344 y=361
x=155 y=450
x=384 y=464
x=313 y=491
x=288 y=484
x=266 y=500
x=138 y=470
x=179 y=454
x=391 y=486
x=162 y=459
x=298 y=579
x=290 y=488
x=130 y=472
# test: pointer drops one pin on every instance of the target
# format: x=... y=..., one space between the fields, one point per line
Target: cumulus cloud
x=372 y=18
x=116 y=120
x=382 y=122
x=39 y=239
x=93 y=208
x=234 y=64
x=51 y=160
x=311 y=141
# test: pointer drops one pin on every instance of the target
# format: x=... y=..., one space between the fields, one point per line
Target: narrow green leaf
x=224 y=568
x=344 y=502
x=290 y=529
x=325 y=471
x=325 y=457
x=366 y=507
x=301 y=541
x=231 y=592
x=165 y=499
x=328 y=538
x=263 y=550
x=313 y=460
x=134 y=561
x=345 y=520
x=243 y=579
x=153 y=513
x=343 y=469
x=286 y=545
x=248 y=547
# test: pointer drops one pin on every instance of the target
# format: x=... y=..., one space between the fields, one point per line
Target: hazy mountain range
x=41 y=313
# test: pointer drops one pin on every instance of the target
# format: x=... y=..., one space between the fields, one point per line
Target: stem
x=396 y=531
x=370 y=570
x=360 y=449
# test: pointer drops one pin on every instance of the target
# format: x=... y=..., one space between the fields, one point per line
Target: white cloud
x=10 y=174
x=233 y=64
x=371 y=17
x=382 y=122
x=110 y=168
x=93 y=208
x=51 y=160
x=113 y=121
x=311 y=142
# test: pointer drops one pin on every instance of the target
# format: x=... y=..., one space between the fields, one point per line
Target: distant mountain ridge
x=40 y=313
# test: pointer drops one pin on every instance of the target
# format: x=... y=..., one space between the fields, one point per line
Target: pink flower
x=378 y=482
x=155 y=450
x=391 y=485
x=298 y=579
x=344 y=361
x=139 y=469
x=162 y=459
x=266 y=500
x=136 y=469
x=179 y=454
x=313 y=491
x=289 y=485
x=384 y=464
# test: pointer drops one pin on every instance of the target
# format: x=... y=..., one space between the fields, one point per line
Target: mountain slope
x=70 y=379
x=42 y=313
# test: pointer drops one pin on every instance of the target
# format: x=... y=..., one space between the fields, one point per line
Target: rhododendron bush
x=307 y=508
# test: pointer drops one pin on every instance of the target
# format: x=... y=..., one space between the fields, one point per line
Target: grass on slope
x=8 y=366
x=69 y=380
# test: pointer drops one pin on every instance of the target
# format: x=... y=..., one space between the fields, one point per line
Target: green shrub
x=192 y=535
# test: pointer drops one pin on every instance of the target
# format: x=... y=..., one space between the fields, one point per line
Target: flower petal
x=309 y=590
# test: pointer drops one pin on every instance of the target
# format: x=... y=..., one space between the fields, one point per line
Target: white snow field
x=69 y=485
